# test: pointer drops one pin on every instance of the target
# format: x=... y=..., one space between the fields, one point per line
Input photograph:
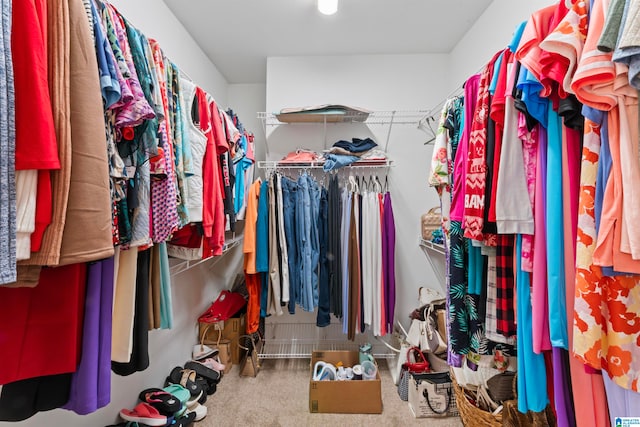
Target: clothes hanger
x=377 y=185
x=353 y=185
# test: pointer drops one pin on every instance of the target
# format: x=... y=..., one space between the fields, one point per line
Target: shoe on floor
x=214 y=364
x=185 y=421
x=201 y=351
x=145 y=414
x=179 y=392
x=186 y=377
x=203 y=370
x=199 y=410
x=165 y=402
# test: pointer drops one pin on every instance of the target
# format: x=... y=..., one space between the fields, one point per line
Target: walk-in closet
x=319 y=212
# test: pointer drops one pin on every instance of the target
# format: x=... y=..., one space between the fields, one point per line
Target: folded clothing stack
x=343 y=153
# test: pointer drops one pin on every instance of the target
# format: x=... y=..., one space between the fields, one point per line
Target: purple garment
x=562 y=395
x=135 y=112
x=388 y=261
x=91 y=383
x=622 y=402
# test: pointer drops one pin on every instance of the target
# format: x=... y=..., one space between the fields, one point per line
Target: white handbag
x=428 y=295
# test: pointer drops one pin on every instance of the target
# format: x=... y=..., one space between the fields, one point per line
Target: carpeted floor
x=279 y=396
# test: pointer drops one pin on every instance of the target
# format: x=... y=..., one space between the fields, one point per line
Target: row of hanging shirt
x=321 y=247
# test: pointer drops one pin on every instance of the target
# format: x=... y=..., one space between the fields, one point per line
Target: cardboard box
x=441 y=404
x=231 y=329
x=343 y=397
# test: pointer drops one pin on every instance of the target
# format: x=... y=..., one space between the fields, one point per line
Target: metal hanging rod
x=275 y=164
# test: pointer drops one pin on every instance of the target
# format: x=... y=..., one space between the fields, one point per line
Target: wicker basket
x=470 y=415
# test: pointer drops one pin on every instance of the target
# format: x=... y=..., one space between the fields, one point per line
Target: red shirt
x=36 y=145
x=213 y=206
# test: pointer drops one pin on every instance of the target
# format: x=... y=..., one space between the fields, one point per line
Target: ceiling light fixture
x=328 y=7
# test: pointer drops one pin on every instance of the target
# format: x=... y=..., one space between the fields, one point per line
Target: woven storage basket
x=469 y=414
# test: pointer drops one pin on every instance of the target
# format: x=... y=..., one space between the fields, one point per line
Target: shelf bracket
x=386 y=145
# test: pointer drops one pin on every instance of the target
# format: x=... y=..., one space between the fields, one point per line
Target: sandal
x=204 y=385
x=200 y=411
x=213 y=363
x=145 y=414
x=204 y=371
x=164 y=402
x=179 y=392
x=185 y=421
x=186 y=378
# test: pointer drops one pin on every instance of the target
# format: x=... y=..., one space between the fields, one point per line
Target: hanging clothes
x=388 y=260
x=138 y=358
x=334 y=252
x=91 y=384
x=30 y=349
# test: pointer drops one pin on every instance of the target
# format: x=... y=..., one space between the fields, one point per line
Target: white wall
x=193 y=290
x=491 y=32
x=247 y=100
x=375 y=82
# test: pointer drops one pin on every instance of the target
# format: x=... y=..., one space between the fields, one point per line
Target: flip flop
x=186 y=378
x=203 y=370
x=164 y=402
x=213 y=387
x=211 y=362
x=200 y=412
x=180 y=393
x=202 y=382
x=145 y=414
x=185 y=421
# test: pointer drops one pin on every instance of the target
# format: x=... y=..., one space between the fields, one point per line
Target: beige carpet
x=279 y=396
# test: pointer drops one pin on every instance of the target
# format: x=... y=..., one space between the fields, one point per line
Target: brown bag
x=431 y=221
x=223 y=346
x=250 y=364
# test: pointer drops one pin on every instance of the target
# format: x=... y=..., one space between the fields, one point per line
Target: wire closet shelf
x=299 y=340
x=373 y=118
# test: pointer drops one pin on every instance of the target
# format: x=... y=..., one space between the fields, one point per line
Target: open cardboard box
x=343 y=397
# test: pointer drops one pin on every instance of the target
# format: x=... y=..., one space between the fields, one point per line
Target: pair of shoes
x=213 y=363
x=145 y=414
x=182 y=394
x=197 y=410
x=166 y=403
x=187 y=378
x=206 y=372
x=206 y=369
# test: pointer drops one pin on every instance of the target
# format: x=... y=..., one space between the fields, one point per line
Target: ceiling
x=239 y=35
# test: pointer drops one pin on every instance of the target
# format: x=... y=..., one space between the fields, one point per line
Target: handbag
x=501 y=387
x=433 y=340
x=250 y=364
x=224 y=307
x=418 y=366
x=402 y=355
x=433 y=394
x=428 y=295
x=431 y=221
x=222 y=345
